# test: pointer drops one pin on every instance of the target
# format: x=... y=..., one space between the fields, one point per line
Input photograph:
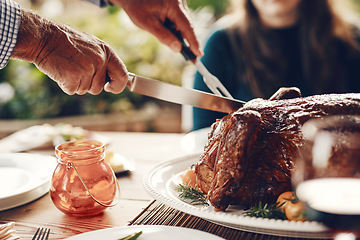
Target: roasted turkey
x=250 y=153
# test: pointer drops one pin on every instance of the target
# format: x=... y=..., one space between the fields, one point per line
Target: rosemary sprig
x=265 y=211
x=196 y=196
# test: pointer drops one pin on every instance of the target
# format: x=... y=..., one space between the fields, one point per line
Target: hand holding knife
x=187 y=96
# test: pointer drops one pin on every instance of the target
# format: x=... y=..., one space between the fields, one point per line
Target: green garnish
x=68 y=137
x=265 y=211
x=196 y=196
x=131 y=236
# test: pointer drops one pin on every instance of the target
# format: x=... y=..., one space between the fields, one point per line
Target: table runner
x=157 y=213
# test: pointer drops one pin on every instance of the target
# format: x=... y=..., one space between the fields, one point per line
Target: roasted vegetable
x=292 y=206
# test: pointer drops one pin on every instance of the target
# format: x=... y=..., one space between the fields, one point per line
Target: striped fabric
x=9 y=27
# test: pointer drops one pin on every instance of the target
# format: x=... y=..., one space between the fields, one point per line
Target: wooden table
x=146 y=149
x=136 y=207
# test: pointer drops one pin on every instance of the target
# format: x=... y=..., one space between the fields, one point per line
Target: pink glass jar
x=83 y=183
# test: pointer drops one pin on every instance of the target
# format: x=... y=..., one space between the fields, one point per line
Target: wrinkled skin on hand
x=77 y=61
x=150 y=16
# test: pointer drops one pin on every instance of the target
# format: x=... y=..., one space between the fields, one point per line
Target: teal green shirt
x=220 y=60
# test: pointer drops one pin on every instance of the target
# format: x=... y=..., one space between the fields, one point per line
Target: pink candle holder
x=83 y=183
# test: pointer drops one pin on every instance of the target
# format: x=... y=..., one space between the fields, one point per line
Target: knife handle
x=185 y=50
x=130 y=82
x=131 y=79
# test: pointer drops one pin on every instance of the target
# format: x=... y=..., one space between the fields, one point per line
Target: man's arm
x=77 y=61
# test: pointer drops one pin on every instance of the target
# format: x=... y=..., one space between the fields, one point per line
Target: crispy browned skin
x=249 y=155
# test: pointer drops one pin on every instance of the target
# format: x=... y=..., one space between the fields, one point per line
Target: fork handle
x=185 y=50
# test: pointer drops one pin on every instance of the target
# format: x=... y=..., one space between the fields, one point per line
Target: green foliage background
x=37 y=96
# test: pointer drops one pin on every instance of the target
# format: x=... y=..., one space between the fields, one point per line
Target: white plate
x=45 y=136
x=24 y=177
x=195 y=141
x=161 y=183
x=149 y=232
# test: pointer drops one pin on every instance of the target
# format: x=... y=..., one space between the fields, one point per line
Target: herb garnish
x=265 y=211
x=196 y=196
x=131 y=236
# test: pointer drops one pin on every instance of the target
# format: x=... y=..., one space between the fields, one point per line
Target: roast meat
x=250 y=153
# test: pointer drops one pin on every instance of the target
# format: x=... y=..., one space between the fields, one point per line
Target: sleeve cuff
x=9 y=28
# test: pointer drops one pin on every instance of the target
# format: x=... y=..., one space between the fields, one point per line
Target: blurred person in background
x=285 y=43
x=77 y=61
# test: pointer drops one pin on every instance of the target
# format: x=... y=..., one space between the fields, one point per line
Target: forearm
x=77 y=61
x=31 y=38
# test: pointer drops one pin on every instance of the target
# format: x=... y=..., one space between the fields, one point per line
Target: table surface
x=145 y=149
x=136 y=206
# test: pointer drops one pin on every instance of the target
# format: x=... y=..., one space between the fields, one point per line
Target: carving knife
x=176 y=94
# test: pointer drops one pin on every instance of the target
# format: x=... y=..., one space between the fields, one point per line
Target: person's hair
x=321 y=27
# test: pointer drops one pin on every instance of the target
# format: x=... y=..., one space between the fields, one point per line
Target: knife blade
x=180 y=95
